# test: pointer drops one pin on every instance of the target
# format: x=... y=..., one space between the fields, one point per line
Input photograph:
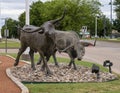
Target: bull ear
x=41 y=31
x=59 y=19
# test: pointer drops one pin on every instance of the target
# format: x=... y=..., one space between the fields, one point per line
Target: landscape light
x=107 y=63
x=95 y=69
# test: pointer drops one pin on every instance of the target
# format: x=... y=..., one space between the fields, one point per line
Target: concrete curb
x=15 y=80
x=20 y=60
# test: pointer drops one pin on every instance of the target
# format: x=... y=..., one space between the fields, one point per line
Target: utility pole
x=111 y=10
x=6 y=35
x=25 y=55
x=0 y=23
x=27 y=13
x=96 y=26
x=111 y=16
x=104 y=26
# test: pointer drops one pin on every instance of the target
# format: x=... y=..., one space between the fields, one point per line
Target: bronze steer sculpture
x=68 y=42
x=42 y=41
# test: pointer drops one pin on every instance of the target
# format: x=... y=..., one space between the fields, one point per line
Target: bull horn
x=59 y=19
x=40 y=30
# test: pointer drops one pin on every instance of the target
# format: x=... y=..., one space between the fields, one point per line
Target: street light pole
x=0 y=23
x=6 y=35
x=25 y=55
x=95 y=26
x=111 y=11
x=27 y=13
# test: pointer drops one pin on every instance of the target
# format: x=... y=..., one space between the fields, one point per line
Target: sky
x=13 y=8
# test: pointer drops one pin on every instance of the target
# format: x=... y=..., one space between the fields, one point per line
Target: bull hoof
x=75 y=68
x=49 y=73
x=57 y=65
x=38 y=63
x=33 y=68
x=15 y=64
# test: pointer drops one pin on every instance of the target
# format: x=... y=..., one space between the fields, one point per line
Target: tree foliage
x=116 y=22
x=78 y=13
x=11 y=26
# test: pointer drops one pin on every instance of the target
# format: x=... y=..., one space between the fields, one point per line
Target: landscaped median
x=66 y=87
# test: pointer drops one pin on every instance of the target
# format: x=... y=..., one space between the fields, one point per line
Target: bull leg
x=55 y=60
x=45 y=66
x=31 y=53
x=75 y=68
x=70 y=64
x=21 y=50
x=72 y=61
x=71 y=58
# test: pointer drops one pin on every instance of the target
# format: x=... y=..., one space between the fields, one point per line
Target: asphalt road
x=104 y=51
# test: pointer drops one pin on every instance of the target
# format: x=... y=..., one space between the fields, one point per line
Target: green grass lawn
x=105 y=87
x=10 y=44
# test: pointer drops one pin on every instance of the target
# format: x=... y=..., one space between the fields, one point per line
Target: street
x=104 y=51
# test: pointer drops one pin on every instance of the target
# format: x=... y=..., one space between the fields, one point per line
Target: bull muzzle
x=79 y=59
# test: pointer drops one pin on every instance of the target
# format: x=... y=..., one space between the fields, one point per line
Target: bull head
x=47 y=28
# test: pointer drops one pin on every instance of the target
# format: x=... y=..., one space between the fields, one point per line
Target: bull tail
x=95 y=42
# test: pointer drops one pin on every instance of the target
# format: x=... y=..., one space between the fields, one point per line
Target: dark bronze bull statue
x=39 y=39
x=68 y=42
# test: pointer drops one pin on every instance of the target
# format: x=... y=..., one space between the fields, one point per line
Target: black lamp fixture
x=95 y=69
x=107 y=63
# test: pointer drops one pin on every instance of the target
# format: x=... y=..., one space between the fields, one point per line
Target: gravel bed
x=60 y=74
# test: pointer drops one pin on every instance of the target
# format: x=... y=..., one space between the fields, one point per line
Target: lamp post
x=6 y=34
x=0 y=23
x=96 y=18
x=96 y=27
x=27 y=13
x=25 y=55
x=111 y=11
x=111 y=16
x=104 y=26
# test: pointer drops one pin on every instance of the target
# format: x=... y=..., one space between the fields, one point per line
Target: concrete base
x=26 y=57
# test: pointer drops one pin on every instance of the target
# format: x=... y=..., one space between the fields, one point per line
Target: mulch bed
x=60 y=74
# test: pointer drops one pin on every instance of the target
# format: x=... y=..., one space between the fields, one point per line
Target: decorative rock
x=61 y=74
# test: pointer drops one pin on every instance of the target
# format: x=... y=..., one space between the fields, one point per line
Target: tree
x=116 y=22
x=11 y=26
x=79 y=13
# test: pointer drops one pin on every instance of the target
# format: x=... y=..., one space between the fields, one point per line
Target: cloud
x=12 y=12
x=106 y=8
x=13 y=8
x=13 y=5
